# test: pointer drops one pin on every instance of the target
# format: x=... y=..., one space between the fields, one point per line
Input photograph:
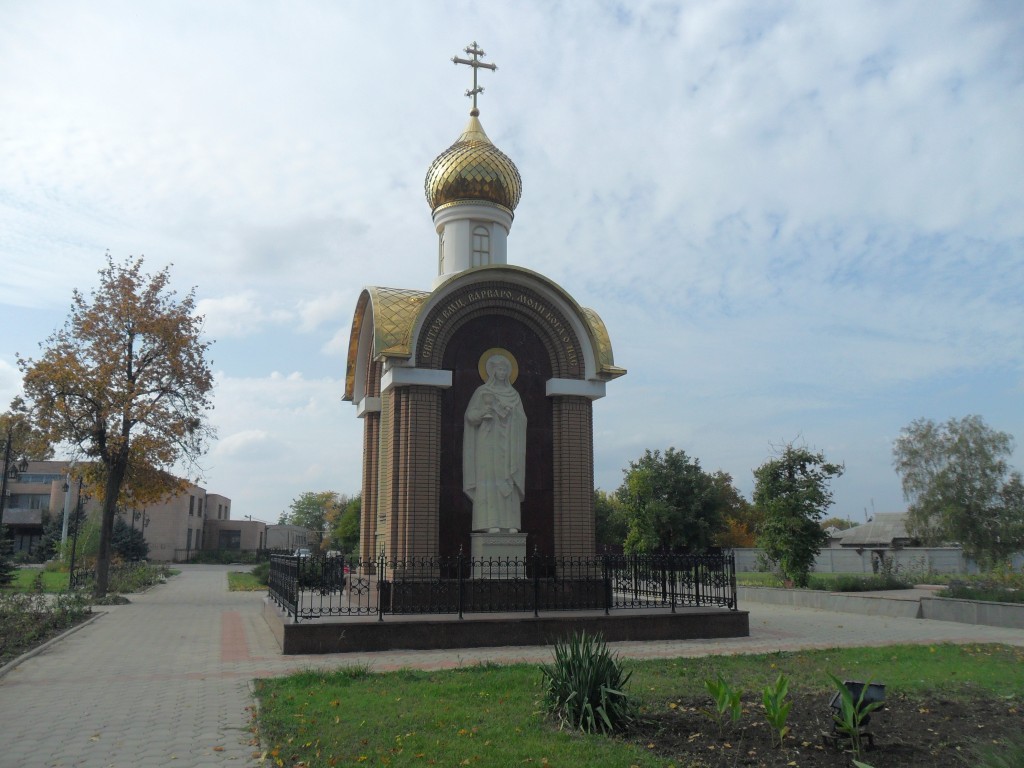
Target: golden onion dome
x=473 y=169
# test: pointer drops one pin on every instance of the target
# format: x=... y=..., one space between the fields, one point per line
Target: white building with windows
x=174 y=529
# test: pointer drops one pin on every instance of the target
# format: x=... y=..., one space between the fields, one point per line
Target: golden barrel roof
x=473 y=170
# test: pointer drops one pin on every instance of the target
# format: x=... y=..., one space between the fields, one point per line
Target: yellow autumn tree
x=126 y=381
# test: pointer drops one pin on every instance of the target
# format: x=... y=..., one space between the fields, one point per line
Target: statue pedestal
x=498 y=555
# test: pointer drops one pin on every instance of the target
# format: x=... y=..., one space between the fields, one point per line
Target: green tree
x=343 y=523
x=312 y=510
x=670 y=503
x=792 y=491
x=127 y=382
x=960 y=487
x=611 y=525
x=740 y=517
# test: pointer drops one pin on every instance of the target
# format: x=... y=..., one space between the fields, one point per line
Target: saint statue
x=494 y=451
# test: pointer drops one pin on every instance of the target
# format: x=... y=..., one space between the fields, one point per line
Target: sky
x=800 y=222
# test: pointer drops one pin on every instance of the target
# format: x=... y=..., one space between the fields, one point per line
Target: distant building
x=290 y=537
x=834 y=534
x=192 y=520
x=886 y=530
x=31 y=495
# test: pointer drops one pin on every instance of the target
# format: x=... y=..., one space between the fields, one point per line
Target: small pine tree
x=128 y=542
x=7 y=566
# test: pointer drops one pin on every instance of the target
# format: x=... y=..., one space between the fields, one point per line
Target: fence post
x=696 y=580
x=381 y=562
x=461 y=578
x=536 y=581
x=672 y=584
x=733 y=597
x=606 y=584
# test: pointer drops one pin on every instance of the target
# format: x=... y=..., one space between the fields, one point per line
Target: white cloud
x=10 y=383
x=240 y=314
x=249 y=445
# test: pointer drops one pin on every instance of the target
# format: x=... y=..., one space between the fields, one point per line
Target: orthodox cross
x=474 y=51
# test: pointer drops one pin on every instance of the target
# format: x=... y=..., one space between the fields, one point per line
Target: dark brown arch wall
x=522 y=303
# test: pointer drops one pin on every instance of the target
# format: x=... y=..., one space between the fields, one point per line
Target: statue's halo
x=481 y=366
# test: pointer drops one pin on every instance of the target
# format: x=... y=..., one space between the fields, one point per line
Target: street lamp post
x=74 y=538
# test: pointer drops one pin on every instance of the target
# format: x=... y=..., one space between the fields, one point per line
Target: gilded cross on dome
x=476 y=52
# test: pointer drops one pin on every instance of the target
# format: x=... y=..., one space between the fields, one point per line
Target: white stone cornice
x=409 y=377
x=367 y=405
x=592 y=390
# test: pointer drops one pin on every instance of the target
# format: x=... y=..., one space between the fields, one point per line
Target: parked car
x=302 y=552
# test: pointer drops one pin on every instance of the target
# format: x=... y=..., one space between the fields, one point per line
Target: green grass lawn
x=139 y=577
x=490 y=715
x=243 y=581
x=24 y=579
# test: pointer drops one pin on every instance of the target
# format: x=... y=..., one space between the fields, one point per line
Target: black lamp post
x=74 y=537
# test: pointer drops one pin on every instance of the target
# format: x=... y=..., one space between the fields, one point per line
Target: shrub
x=6 y=563
x=29 y=618
x=852 y=583
x=585 y=686
x=136 y=577
x=262 y=573
x=982 y=590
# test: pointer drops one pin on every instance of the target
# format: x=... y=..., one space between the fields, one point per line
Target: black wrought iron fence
x=317 y=586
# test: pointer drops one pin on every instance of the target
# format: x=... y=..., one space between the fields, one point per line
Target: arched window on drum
x=481 y=246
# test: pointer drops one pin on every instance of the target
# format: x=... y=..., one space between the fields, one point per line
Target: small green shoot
x=853 y=713
x=776 y=708
x=727 y=700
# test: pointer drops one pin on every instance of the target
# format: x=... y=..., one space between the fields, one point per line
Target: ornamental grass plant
x=585 y=687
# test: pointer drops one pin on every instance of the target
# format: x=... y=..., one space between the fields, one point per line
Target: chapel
x=476 y=395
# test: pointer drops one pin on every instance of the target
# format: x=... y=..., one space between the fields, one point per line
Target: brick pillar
x=573 y=455
x=386 y=478
x=371 y=464
x=417 y=488
x=371 y=469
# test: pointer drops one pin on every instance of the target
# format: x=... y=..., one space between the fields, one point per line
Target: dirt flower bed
x=928 y=731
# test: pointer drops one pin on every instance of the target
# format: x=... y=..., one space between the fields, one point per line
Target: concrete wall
x=866 y=603
x=837 y=560
x=912 y=606
x=973 y=612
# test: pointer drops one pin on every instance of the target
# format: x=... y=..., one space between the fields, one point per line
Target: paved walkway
x=165 y=681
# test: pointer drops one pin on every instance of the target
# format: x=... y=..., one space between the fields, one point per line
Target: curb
x=13 y=664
